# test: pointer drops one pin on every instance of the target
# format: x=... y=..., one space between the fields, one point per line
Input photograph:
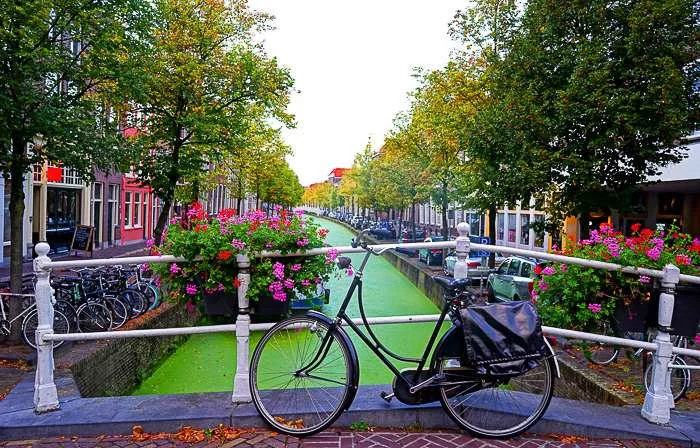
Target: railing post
x=241 y=386
x=658 y=401
x=462 y=250
x=45 y=393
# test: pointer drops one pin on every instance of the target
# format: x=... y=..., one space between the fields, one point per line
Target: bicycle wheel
x=600 y=353
x=93 y=316
x=680 y=378
x=491 y=407
x=31 y=322
x=151 y=294
x=301 y=403
x=118 y=310
x=135 y=300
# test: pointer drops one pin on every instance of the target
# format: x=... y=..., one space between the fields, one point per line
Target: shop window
x=137 y=210
x=539 y=230
x=670 y=204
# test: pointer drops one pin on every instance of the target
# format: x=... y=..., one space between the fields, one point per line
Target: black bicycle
x=305 y=371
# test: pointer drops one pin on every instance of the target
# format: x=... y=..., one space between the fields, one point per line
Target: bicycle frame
x=3 y=314
x=371 y=341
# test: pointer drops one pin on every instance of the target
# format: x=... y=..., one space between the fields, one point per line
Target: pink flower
x=149 y=243
x=595 y=307
x=349 y=272
x=145 y=267
x=278 y=270
x=542 y=285
x=683 y=259
x=305 y=282
x=296 y=267
x=289 y=283
x=563 y=268
x=191 y=289
x=318 y=280
x=548 y=271
x=174 y=220
x=302 y=242
x=644 y=279
x=696 y=339
x=654 y=253
x=331 y=256
x=238 y=244
x=175 y=269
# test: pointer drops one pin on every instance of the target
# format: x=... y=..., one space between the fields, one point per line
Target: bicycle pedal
x=386 y=397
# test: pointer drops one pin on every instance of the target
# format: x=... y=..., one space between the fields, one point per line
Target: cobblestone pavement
x=339 y=438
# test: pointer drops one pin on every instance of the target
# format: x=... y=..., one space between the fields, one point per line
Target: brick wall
x=117 y=367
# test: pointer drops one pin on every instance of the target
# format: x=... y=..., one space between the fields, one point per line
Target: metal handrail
x=657 y=404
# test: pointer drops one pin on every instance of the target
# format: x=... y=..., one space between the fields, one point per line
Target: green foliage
x=214 y=244
x=576 y=297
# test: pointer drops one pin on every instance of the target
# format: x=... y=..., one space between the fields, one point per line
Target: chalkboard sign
x=82 y=239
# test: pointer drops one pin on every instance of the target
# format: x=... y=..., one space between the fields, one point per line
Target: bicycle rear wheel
x=31 y=322
x=600 y=353
x=490 y=407
x=135 y=300
x=299 y=402
x=118 y=310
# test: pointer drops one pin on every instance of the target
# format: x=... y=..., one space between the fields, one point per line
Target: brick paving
x=335 y=438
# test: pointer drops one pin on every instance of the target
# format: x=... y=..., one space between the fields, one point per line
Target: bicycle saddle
x=452 y=284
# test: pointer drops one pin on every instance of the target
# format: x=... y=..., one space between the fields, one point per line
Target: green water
x=207 y=363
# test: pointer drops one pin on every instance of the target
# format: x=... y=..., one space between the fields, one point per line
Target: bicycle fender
x=355 y=361
x=554 y=357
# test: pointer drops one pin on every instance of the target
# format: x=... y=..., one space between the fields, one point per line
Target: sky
x=352 y=62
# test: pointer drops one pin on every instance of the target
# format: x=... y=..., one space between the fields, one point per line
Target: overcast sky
x=352 y=62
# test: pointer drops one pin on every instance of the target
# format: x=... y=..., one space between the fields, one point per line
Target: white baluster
x=241 y=386
x=45 y=394
x=462 y=250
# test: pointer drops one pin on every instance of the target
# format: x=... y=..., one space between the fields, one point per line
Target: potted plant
x=210 y=244
x=576 y=297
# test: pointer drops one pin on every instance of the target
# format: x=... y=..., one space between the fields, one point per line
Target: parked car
x=408 y=237
x=431 y=257
x=476 y=268
x=513 y=280
x=383 y=230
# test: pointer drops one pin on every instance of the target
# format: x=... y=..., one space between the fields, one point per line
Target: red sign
x=130 y=132
x=54 y=174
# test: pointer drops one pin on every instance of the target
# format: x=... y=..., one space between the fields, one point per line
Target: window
x=526 y=270
x=539 y=231
x=137 y=210
x=500 y=218
x=514 y=268
x=525 y=229
x=503 y=268
x=127 y=209
x=475 y=224
x=511 y=228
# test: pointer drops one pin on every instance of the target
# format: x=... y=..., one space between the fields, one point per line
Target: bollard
x=241 y=385
x=45 y=393
x=658 y=401
x=462 y=250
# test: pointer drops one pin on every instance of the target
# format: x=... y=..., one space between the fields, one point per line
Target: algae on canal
x=207 y=362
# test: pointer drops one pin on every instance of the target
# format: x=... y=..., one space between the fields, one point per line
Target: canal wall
x=117 y=366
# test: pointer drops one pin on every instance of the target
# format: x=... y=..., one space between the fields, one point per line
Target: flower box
x=220 y=303
x=686 y=310
x=267 y=309
x=633 y=317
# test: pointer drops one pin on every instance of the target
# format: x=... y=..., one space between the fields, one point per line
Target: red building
x=137 y=210
x=336 y=175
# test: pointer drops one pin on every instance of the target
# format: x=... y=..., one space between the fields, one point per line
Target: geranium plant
x=210 y=244
x=576 y=297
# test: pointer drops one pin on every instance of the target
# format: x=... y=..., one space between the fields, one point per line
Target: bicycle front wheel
x=496 y=407
x=301 y=376
x=93 y=317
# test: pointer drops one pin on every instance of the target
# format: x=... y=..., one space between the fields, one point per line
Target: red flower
x=236 y=282
x=225 y=214
x=155 y=251
x=224 y=255
x=636 y=226
x=646 y=233
x=200 y=227
x=675 y=235
x=538 y=269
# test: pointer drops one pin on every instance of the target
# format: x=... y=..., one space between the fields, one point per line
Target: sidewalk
x=135 y=248
x=334 y=437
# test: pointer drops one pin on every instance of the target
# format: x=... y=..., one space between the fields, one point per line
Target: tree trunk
x=400 y=221
x=413 y=217
x=17 y=249
x=445 y=205
x=173 y=176
x=162 y=219
x=492 y=234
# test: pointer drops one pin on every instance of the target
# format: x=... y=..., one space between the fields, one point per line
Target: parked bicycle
x=305 y=372
x=29 y=319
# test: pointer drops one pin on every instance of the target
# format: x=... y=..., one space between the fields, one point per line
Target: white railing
x=657 y=403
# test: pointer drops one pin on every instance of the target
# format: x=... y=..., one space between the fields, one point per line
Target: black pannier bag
x=503 y=339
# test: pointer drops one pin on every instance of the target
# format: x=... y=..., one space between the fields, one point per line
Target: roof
x=338 y=172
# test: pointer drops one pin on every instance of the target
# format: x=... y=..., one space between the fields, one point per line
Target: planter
x=220 y=304
x=267 y=309
x=686 y=310
x=633 y=317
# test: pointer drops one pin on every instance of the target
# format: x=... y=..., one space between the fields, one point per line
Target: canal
x=206 y=363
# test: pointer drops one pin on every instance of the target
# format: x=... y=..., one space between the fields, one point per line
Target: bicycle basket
x=502 y=339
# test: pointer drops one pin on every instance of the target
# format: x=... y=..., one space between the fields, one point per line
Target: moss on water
x=206 y=363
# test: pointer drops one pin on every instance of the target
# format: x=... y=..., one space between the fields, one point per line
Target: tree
x=57 y=58
x=281 y=185
x=604 y=91
x=202 y=83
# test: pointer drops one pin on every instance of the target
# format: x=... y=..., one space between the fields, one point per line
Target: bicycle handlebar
x=357 y=241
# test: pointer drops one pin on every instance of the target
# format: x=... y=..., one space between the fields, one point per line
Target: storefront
x=136 y=210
